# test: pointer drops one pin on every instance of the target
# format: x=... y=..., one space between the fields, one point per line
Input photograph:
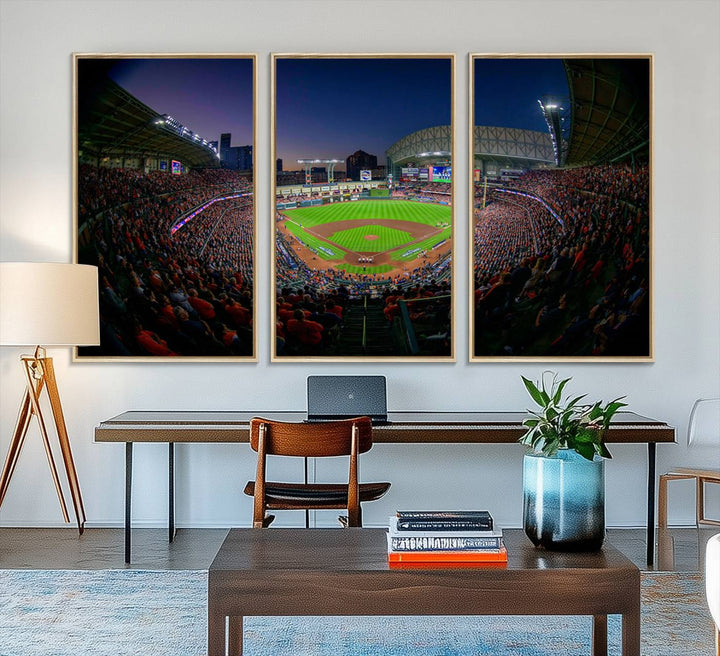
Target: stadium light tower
x=330 y=168
x=557 y=116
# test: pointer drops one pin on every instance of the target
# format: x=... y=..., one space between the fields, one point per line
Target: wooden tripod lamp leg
x=30 y=406
x=34 y=374
x=15 y=444
x=64 y=440
x=39 y=374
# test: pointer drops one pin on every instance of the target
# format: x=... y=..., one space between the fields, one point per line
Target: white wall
x=36 y=41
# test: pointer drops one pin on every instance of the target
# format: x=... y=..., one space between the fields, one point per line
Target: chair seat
x=328 y=495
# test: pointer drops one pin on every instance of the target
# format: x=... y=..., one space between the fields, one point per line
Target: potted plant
x=564 y=468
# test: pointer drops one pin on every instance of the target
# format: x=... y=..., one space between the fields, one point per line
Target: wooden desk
x=205 y=426
x=345 y=572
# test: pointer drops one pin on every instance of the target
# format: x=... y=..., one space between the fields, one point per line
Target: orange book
x=448 y=565
x=484 y=556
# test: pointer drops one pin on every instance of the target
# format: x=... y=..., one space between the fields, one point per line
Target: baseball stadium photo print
x=164 y=203
x=560 y=235
x=363 y=198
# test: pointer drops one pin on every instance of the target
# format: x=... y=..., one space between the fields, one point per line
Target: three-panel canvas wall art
x=366 y=226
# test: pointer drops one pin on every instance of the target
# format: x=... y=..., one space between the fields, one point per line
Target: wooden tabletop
x=365 y=549
x=404 y=426
x=346 y=572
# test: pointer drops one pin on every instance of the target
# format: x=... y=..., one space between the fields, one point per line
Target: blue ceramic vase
x=564 y=501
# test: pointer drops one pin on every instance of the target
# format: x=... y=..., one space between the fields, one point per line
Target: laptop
x=330 y=398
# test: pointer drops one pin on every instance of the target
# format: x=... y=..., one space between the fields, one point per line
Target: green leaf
x=551 y=448
x=611 y=408
x=587 y=451
x=595 y=412
x=534 y=392
x=558 y=393
x=585 y=436
x=575 y=401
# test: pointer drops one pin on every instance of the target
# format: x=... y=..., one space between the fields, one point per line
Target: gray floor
x=679 y=549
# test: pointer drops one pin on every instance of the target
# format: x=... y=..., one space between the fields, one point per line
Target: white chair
x=703 y=430
x=712 y=584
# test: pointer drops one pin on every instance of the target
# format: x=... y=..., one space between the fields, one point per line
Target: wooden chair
x=701 y=477
x=703 y=429
x=349 y=437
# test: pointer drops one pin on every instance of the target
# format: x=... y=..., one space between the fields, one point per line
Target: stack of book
x=439 y=537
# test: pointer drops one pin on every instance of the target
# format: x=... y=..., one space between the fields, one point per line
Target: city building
x=358 y=161
x=235 y=157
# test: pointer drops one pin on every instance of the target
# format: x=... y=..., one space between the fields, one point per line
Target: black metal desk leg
x=307 y=512
x=171 y=491
x=128 y=497
x=651 y=505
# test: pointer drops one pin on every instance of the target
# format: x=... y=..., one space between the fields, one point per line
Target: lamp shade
x=48 y=304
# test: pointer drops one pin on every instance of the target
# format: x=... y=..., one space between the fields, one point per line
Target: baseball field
x=374 y=236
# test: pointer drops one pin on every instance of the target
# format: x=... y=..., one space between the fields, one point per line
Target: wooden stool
x=701 y=476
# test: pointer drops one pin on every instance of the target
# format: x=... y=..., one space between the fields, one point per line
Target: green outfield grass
x=324 y=250
x=354 y=238
x=396 y=210
x=369 y=269
x=427 y=244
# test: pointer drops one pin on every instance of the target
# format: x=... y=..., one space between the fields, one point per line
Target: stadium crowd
x=187 y=293
x=434 y=192
x=573 y=286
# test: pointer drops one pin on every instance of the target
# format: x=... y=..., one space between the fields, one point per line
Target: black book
x=442 y=520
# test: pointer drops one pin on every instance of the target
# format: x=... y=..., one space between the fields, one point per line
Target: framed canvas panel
x=164 y=203
x=363 y=207
x=560 y=191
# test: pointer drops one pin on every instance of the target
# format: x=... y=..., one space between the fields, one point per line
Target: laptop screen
x=340 y=397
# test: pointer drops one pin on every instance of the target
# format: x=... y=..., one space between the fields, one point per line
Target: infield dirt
x=417 y=231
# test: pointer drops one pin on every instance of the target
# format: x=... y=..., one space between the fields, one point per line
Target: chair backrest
x=704 y=423
x=312 y=439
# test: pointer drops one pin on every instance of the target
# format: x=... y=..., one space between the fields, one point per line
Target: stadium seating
x=150 y=275
x=561 y=264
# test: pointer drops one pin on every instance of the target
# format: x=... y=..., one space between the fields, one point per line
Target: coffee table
x=294 y=572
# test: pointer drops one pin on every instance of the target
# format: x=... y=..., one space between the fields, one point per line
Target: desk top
x=405 y=426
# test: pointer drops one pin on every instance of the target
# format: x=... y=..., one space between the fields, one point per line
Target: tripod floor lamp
x=46 y=304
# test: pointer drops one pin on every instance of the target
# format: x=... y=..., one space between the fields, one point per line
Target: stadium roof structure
x=512 y=148
x=114 y=123
x=428 y=145
x=610 y=109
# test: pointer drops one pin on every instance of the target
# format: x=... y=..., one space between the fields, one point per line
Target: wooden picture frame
x=165 y=206
x=560 y=241
x=363 y=258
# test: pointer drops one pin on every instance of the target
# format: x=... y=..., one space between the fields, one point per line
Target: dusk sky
x=329 y=108
x=208 y=96
x=507 y=91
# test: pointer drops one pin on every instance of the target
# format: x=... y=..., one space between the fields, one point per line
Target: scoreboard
x=441 y=174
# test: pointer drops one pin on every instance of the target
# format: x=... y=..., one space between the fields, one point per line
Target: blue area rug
x=131 y=612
